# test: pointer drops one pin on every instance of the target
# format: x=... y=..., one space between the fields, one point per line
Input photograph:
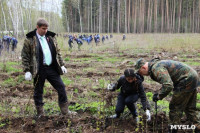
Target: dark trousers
x=13 y=46
x=70 y=45
x=8 y=46
x=55 y=80
x=1 y=48
x=128 y=101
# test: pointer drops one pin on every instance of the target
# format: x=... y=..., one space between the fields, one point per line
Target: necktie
x=46 y=51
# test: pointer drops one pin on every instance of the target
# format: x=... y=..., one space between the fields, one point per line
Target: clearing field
x=89 y=72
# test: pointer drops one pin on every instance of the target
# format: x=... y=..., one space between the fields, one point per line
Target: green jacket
x=173 y=75
x=30 y=52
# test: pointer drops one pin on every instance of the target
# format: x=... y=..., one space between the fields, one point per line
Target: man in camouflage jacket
x=180 y=78
x=41 y=58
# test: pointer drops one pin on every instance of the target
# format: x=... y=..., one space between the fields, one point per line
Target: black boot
x=40 y=111
x=64 y=108
x=135 y=114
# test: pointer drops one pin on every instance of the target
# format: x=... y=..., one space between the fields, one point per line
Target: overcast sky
x=47 y=5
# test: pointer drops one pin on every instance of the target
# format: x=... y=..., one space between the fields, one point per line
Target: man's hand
x=155 y=97
x=148 y=114
x=28 y=76
x=110 y=87
x=64 y=69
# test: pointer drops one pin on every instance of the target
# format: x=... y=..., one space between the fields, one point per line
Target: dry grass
x=146 y=42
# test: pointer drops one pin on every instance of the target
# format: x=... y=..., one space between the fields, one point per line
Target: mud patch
x=75 y=66
x=4 y=77
x=15 y=74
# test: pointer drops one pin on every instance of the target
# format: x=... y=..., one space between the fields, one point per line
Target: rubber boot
x=64 y=108
x=40 y=111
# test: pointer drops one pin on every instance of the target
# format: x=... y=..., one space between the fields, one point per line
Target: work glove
x=110 y=87
x=28 y=76
x=155 y=97
x=64 y=69
x=114 y=116
x=72 y=112
x=137 y=120
x=148 y=114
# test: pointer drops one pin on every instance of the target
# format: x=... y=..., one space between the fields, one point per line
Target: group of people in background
x=43 y=61
x=10 y=41
x=6 y=42
x=86 y=38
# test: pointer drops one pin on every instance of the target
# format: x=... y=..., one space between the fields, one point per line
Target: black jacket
x=136 y=87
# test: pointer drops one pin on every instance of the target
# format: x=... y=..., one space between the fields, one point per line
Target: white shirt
x=43 y=48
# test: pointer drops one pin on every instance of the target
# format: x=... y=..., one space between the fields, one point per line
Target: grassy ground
x=89 y=72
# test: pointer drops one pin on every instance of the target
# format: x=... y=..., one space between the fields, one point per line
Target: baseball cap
x=139 y=63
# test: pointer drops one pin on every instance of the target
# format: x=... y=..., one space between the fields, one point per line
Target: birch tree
x=76 y=4
x=4 y=17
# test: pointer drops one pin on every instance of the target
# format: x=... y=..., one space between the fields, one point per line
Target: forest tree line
x=20 y=16
x=131 y=16
x=102 y=16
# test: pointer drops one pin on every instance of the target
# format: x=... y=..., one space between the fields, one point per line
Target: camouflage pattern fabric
x=183 y=102
x=173 y=75
x=183 y=80
x=30 y=52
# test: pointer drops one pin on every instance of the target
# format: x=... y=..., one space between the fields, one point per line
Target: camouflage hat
x=139 y=63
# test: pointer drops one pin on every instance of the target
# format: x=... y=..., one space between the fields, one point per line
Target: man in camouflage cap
x=180 y=78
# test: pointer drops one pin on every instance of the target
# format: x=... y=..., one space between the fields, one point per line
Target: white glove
x=28 y=76
x=110 y=87
x=72 y=112
x=137 y=120
x=148 y=115
x=64 y=69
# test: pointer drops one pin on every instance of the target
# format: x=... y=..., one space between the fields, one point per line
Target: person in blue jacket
x=124 y=37
x=70 y=41
x=4 y=41
x=103 y=38
x=107 y=37
x=7 y=40
x=1 y=46
x=14 y=43
x=97 y=39
x=79 y=42
x=89 y=39
x=131 y=89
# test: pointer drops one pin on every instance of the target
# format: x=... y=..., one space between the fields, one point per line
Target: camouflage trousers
x=184 y=102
